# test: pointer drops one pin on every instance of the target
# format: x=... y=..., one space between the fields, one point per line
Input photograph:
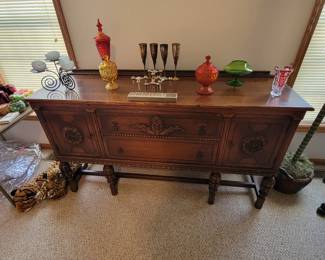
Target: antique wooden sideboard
x=234 y=131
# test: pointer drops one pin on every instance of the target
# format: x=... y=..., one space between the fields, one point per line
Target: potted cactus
x=297 y=170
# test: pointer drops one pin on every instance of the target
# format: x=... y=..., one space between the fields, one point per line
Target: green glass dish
x=237 y=68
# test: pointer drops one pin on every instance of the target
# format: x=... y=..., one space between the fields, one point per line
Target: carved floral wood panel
x=73 y=135
x=252 y=142
x=72 y=132
x=162 y=126
x=157 y=127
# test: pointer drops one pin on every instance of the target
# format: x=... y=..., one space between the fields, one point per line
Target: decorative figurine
x=153 y=81
x=62 y=76
x=176 y=50
x=107 y=68
x=237 y=68
x=206 y=74
x=280 y=80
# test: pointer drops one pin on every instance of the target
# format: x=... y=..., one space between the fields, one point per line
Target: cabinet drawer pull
x=120 y=150
x=90 y=110
x=199 y=155
x=115 y=126
x=202 y=130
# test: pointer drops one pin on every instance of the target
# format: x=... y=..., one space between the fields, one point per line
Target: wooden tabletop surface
x=255 y=92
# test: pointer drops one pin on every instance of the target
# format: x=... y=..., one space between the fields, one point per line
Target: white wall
x=31 y=131
x=264 y=32
x=27 y=131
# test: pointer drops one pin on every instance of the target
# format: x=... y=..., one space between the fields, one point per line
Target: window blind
x=28 y=30
x=310 y=81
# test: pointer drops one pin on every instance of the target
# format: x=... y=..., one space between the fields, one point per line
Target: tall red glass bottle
x=103 y=42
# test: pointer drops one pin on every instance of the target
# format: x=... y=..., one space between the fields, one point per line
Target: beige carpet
x=163 y=220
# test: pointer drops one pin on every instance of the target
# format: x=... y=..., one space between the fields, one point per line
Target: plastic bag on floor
x=18 y=163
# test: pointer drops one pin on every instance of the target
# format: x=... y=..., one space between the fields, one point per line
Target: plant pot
x=286 y=184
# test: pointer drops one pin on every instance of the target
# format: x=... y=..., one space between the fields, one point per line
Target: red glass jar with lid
x=206 y=74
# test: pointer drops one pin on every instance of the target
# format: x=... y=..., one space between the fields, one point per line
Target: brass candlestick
x=154 y=52
x=164 y=55
x=143 y=51
x=175 y=50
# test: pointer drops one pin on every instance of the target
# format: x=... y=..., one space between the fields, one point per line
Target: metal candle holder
x=154 y=80
x=175 y=49
x=156 y=77
x=154 y=53
x=61 y=75
x=143 y=51
x=164 y=55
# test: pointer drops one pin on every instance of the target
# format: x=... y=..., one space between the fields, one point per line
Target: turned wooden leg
x=71 y=178
x=5 y=193
x=84 y=166
x=266 y=185
x=112 y=178
x=214 y=181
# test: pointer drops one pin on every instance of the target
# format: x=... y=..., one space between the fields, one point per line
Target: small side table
x=3 y=129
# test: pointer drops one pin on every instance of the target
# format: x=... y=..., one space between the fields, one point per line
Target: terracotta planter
x=286 y=184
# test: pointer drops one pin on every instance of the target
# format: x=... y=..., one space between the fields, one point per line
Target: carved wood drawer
x=161 y=125
x=157 y=150
x=254 y=142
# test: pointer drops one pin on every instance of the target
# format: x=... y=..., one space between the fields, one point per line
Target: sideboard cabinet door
x=254 y=142
x=71 y=132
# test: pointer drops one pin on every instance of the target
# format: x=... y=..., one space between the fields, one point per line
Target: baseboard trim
x=303 y=128
x=318 y=161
